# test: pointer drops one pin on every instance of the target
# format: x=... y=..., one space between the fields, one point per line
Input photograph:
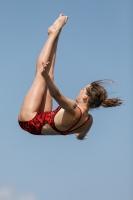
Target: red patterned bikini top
x=52 y=124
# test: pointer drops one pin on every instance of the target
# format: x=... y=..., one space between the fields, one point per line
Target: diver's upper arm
x=68 y=104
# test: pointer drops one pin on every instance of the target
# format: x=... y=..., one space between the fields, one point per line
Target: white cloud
x=7 y=193
x=27 y=197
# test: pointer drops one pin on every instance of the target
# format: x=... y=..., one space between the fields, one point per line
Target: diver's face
x=81 y=94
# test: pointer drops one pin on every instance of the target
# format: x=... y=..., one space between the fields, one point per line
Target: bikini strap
x=80 y=125
x=69 y=130
x=76 y=122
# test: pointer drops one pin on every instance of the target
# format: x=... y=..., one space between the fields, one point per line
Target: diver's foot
x=58 y=24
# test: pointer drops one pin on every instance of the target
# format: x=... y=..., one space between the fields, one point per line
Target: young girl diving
x=36 y=115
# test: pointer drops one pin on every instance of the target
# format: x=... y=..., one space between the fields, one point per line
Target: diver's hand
x=45 y=69
x=81 y=138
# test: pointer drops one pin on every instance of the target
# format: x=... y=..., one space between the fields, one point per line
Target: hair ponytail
x=98 y=96
x=111 y=102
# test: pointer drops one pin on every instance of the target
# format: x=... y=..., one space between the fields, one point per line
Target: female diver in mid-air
x=36 y=115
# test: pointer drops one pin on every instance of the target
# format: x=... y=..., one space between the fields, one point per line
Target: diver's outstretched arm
x=68 y=104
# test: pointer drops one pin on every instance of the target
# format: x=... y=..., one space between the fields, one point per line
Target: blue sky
x=96 y=43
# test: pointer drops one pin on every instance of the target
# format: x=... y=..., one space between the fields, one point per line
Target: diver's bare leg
x=34 y=96
x=47 y=103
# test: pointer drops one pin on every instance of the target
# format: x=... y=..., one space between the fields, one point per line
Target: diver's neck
x=83 y=107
